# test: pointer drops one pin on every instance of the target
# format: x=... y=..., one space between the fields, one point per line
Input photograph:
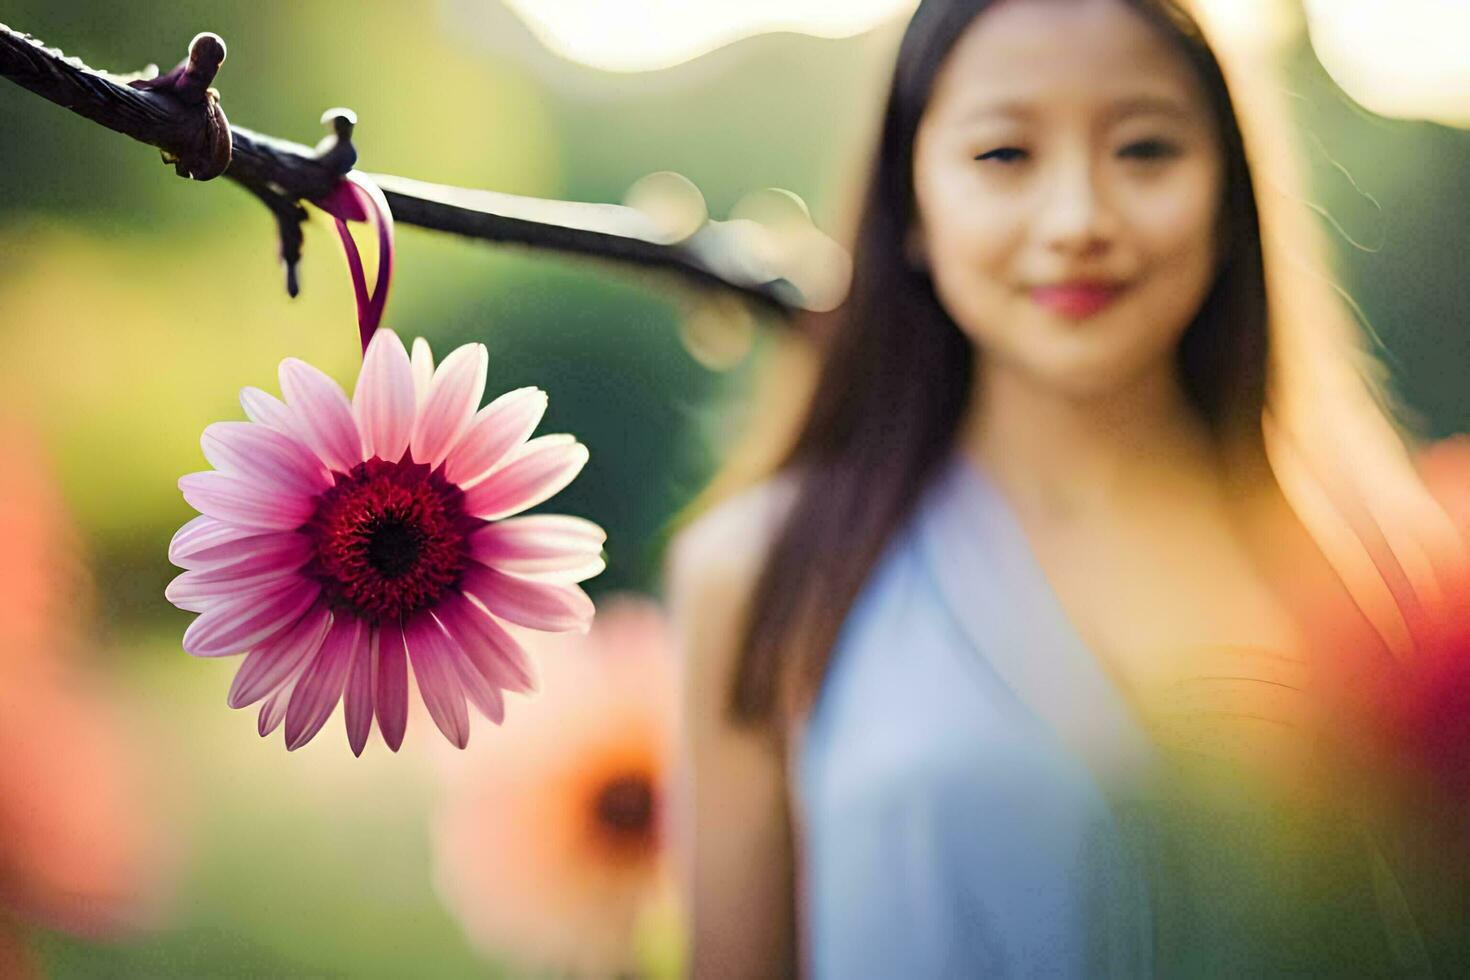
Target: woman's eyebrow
x=1120 y=109
x=1008 y=109
x=1149 y=105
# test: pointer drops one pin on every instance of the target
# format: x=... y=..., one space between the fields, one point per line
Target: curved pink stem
x=384 y=218
x=357 y=198
x=354 y=267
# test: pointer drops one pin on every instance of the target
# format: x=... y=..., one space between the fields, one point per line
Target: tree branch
x=179 y=114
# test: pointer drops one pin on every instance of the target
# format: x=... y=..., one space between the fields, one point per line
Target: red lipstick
x=1076 y=300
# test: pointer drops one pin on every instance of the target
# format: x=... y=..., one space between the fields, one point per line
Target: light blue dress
x=968 y=787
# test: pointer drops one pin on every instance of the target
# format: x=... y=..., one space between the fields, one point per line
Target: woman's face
x=1067 y=173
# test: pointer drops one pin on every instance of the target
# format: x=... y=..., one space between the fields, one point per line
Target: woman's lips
x=1078 y=300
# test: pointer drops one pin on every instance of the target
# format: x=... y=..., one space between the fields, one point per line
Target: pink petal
x=422 y=360
x=272 y=664
x=538 y=471
x=568 y=548
x=489 y=648
x=482 y=692
x=263 y=454
x=232 y=626
x=283 y=551
x=286 y=545
x=450 y=404
x=323 y=416
x=384 y=401
x=357 y=702
x=238 y=501
x=320 y=687
x=273 y=711
x=196 y=592
x=485 y=696
x=390 y=699
x=537 y=605
x=267 y=410
x=433 y=654
x=193 y=604
x=500 y=427
x=200 y=535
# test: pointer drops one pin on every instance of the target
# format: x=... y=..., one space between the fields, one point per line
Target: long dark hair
x=897 y=376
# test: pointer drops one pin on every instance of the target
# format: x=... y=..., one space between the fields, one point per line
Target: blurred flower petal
x=552 y=846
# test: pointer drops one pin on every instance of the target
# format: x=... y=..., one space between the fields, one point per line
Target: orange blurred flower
x=550 y=846
x=79 y=850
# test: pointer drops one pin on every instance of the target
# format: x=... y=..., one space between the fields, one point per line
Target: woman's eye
x=1150 y=150
x=1005 y=154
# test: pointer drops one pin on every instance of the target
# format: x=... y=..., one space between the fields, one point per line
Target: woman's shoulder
x=710 y=574
x=721 y=552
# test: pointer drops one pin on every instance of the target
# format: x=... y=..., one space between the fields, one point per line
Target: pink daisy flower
x=343 y=539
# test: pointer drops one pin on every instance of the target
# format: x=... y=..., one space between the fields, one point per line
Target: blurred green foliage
x=1398 y=217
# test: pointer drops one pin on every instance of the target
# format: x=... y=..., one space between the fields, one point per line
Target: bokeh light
x=1249 y=25
x=645 y=35
x=1406 y=59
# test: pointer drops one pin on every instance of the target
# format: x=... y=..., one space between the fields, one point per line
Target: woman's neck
x=1065 y=456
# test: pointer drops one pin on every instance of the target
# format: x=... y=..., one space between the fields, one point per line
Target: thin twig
x=180 y=115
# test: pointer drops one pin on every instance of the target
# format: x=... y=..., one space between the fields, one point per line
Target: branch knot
x=189 y=84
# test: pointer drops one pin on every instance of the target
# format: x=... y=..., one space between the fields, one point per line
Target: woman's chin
x=1095 y=374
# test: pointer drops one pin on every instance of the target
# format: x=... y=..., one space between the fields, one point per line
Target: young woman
x=1016 y=665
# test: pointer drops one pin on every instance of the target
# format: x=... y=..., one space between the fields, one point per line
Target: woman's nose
x=1073 y=217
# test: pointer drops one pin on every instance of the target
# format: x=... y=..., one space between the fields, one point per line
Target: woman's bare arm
x=735 y=845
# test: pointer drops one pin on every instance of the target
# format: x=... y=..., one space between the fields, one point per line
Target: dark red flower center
x=390 y=539
x=624 y=811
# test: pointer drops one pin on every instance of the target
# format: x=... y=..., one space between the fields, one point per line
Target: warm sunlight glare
x=1405 y=59
x=1253 y=25
x=646 y=35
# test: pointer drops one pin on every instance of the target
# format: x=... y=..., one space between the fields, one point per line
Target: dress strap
x=989 y=579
